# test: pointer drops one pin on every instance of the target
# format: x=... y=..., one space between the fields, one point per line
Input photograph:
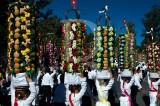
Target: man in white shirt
x=47 y=83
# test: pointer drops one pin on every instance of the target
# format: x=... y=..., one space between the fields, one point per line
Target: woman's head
x=103 y=82
x=22 y=93
x=75 y=88
x=154 y=79
x=126 y=79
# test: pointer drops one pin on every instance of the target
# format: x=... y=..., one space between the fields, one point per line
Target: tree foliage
x=151 y=20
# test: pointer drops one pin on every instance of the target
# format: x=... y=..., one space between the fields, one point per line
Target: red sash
x=70 y=100
x=125 y=93
x=152 y=88
x=15 y=102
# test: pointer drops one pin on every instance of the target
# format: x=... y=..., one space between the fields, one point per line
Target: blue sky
x=132 y=10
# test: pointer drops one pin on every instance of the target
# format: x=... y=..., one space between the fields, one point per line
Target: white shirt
x=47 y=80
x=76 y=97
x=137 y=78
x=91 y=74
x=31 y=97
x=155 y=84
x=105 y=89
x=127 y=87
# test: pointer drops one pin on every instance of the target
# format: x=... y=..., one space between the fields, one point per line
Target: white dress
x=153 y=86
x=103 y=94
x=31 y=97
x=124 y=100
x=76 y=97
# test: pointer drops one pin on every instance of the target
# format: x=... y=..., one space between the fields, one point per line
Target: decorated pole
x=21 y=45
x=104 y=46
x=73 y=43
x=153 y=55
x=127 y=57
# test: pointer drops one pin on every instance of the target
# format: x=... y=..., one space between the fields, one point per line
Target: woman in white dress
x=22 y=96
x=153 y=81
x=127 y=79
x=103 y=88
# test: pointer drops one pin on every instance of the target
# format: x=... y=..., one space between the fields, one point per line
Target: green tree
x=151 y=20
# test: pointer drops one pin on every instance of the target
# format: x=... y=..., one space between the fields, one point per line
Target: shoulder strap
x=125 y=92
x=70 y=100
x=152 y=86
x=103 y=96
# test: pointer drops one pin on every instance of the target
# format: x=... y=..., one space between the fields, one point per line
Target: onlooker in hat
x=103 y=87
x=127 y=79
x=153 y=81
x=47 y=83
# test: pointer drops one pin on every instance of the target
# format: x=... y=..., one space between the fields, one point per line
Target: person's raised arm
x=32 y=89
x=110 y=83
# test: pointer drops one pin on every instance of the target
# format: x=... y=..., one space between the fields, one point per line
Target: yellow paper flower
x=98 y=65
x=112 y=64
x=24 y=36
x=110 y=33
x=28 y=32
x=110 y=43
x=111 y=53
x=23 y=19
x=99 y=44
x=28 y=68
x=27 y=14
x=99 y=54
x=27 y=50
x=23 y=52
x=98 y=33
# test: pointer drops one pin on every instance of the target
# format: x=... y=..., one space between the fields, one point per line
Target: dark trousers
x=59 y=104
x=47 y=94
x=92 y=86
x=134 y=90
x=86 y=101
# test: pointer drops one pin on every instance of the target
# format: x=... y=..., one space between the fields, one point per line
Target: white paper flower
x=121 y=56
x=98 y=28
x=99 y=38
x=75 y=59
x=110 y=48
x=74 y=27
x=99 y=60
x=110 y=28
x=111 y=39
x=100 y=49
x=111 y=59
x=74 y=44
x=71 y=35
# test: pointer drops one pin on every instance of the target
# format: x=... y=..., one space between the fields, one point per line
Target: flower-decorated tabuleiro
x=73 y=45
x=21 y=47
x=104 y=38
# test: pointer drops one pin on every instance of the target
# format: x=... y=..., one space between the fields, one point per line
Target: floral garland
x=153 y=56
x=132 y=51
x=121 y=51
x=21 y=53
x=126 y=50
x=73 y=46
x=104 y=38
